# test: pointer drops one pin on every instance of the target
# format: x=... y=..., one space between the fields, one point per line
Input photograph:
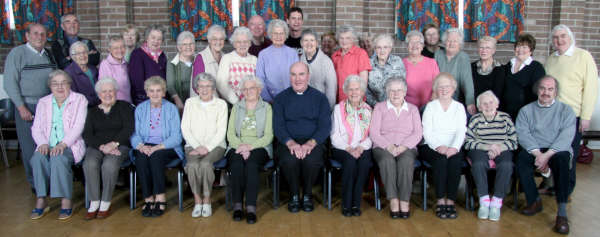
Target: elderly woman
x=115 y=66
x=203 y=126
x=456 y=62
x=491 y=138
x=146 y=61
x=349 y=59
x=385 y=65
x=444 y=127
x=156 y=141
x=365 y=41
x=130 y=36
x=432 y=40
x=351 y=143
x=274 y=62
x=250 y=133
x=57 y=128
x=328 y=43
x=420 y=70
x=521 y=74
x=236 y=65
x=83 y=74
x=179 y=69
x=207 y=60
x=488 y=74
x=396 y=130
x=322 y=73
x=108 y=127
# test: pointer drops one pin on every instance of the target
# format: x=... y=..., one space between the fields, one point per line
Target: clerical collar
x=300 y=93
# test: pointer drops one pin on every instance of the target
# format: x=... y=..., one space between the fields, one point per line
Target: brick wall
x=100 y=19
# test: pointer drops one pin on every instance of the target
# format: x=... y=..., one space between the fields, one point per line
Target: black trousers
x=355 y=173
x=151 y=170
x=446 y=171
x=559 y=164
x=575 y=145
x=295 y=169
x=245 y=174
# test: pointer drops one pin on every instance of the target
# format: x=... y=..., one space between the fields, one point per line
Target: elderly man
x=301 y=123
x=577 y=73
x=60 y=47
x=545 y=129
x=295 y=21
x=257 y=26
x=26 y=71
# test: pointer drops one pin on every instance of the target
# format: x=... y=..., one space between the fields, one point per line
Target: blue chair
x=334 y=164
x=465 y=171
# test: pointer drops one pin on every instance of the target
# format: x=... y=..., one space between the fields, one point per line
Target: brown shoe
x=103 y=214
x=533 y=208
x=562 y=225
x=90 y=215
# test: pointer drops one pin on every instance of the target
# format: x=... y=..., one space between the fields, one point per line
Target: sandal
x=38 y=213
x=147 y=211
x=451 y=212
x=64 y=214
x=157 y=211
x=440 y=211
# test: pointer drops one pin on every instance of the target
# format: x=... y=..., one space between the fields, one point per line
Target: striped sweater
x=482 y=133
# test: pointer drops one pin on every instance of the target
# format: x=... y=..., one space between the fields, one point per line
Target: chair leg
x=329 y=185
x=180 y=188
x=324 y=186
x=87 y=198
x=424 y=175
x=4 y=157
x=276 y=188
x=377 y=194
x=516 y=194
x=228 y=192
x=132 y=188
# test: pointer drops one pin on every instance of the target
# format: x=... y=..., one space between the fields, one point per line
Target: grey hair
x=64 y=18
x=566 y=28
x=444 y=75
x=384 y=37
x=277 y=23
x=536 y=85
x=487 y=38
x=34 y=25
x=106 y=80
x=56 y=73
x=309 y=32
x=113 y=39
x=76 y=45
x=414 y=33
x=354 y=78
x=484 y=94
x=205 y=77
x=213 y=29
x=395 y=79
x=153 y=27
x=345 y=29
x=185 y=35
x=238 y=31
x=458 y=31
x=155 y=80
x=253 y=78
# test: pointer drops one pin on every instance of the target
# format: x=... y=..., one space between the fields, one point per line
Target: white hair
x=77 y=45
x=484 y=94
x=458 y=31
x=106 y=80
x=242 y=30
x=414 y=33
x=567 y=29
x=276 y=23
x=185 y=35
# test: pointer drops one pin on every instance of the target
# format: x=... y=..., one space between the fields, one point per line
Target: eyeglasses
x=187 y=45
x=242 y=42
x=59 y=84
x=81 y=53
x=254 y=88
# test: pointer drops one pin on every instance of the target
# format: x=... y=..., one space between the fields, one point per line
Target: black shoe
x=156 y=212
x=294 y=204
x=238 y=215
x=147 y=210
x=250 y=217
x=394 y=214
x=356 y=211
x=346 y=212
x=404 y=215
x=307 y=203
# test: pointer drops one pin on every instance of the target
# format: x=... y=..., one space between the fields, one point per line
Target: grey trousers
x=396 y=172
x=26 y=141
x=200 y=170
x=97 y=165
x=53 y=173
x=480 y=166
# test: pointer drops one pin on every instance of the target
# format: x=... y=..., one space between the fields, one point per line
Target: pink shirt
x=389 y=127
x=419 y=79
x=73 y=121
x=110 y=67
x=354 y=61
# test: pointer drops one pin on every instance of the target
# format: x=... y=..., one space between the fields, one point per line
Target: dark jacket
x=60 y=51
x=82 y=84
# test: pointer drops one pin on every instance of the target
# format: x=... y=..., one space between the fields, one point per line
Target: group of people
x=283 y=97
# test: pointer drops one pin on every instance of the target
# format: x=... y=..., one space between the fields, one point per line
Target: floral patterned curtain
x=45 y=12
x=502 y=19
x=5 y=35
x=197 y=15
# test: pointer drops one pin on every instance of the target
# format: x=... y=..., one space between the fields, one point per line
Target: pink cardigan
x=388 y=128
x=73 y=122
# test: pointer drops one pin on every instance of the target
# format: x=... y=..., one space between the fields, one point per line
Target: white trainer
x=483 y=212
x=206 y=210
x=494 y=214
x=197 y=212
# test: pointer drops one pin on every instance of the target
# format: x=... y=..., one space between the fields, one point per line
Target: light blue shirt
x=57 y=133
x=273 y=68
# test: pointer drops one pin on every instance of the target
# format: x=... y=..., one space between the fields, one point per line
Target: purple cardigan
x=81 y=82
x=141 y=67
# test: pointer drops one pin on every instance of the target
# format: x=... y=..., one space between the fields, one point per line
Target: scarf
x=153 y=55
x=348 y=118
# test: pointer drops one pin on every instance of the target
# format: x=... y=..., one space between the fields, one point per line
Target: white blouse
x=339 y=135
x=444 y=128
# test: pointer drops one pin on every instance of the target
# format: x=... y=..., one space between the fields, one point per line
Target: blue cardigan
x=170 y=125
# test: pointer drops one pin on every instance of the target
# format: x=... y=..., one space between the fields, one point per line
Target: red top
x=354 y=61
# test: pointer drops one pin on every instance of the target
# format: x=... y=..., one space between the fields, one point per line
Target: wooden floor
x=16 y=203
